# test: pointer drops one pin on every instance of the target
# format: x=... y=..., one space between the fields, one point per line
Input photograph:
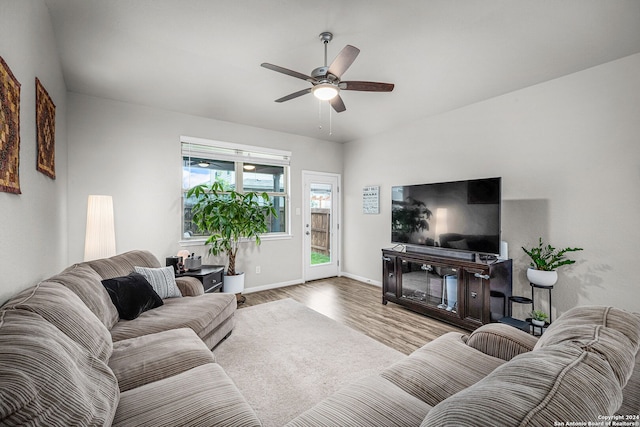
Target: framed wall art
x=45 y=131
x=371 y=199
x=9 y=130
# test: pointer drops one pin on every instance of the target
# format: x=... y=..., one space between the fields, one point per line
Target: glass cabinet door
x=430 y=284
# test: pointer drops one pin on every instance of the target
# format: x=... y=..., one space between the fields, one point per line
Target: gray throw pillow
x=162 y=280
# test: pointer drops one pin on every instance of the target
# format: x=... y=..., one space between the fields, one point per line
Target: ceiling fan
x=325 y=80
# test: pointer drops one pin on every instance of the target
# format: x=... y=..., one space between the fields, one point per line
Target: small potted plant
x=230 y=218
x=538 y=317
x=545 y=260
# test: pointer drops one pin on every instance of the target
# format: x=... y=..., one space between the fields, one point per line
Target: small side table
x=533 y=306
x=523 y=325
x=211 y=277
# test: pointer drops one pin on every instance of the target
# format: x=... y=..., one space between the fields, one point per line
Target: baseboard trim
x=272 y=286
x=300 y=281
x=363 y=279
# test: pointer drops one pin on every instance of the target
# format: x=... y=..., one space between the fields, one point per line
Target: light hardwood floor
x=359 y=306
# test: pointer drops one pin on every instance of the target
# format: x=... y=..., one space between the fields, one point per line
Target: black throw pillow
x=132 y=295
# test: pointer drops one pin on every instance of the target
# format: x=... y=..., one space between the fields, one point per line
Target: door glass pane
x=320 y=223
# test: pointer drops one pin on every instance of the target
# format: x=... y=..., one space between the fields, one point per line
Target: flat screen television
x=461 y=216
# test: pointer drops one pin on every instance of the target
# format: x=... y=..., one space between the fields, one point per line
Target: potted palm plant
x=230 y=218
x=545 y=260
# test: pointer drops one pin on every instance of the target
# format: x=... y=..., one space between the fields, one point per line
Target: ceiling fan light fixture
x=325 y=91
x=203 y=164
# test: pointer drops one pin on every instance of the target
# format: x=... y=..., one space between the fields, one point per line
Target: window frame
x=239 y=154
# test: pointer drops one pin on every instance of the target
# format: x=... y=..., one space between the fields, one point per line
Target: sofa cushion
x=163 y=280
x=202 y=396
x=132 y=295
x=622 y=321
x=610 y=332
x=370 y=401
x=61 y=307
x=539 y=388
x=202 y=314
x=631 y=392
x=139 y=361
x=189 y=286
x=502 y=341
x=610 y=344
x=47 y=379
x=122 y=264
x=87 y=284
x=441 y=368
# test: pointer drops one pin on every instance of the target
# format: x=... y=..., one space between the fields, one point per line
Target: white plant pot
x=542 y=278
x=539 y=323
x=233 y=284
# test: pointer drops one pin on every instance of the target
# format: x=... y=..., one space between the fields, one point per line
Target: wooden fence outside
x=320 y=230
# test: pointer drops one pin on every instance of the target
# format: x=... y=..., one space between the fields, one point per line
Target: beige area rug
x=285 y=358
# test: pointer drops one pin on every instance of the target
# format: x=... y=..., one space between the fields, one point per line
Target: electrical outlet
x=257 y=269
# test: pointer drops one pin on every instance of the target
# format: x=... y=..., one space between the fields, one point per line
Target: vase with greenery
x=539 y=317
x=229 y=218
x=545 y=260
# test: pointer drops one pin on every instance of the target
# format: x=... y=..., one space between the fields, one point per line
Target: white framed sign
x=371 y=199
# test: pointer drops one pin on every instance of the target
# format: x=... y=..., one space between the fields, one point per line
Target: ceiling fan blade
x=337 y=104
x=294 y=95
x=367 y=86
x=343 y=61
x=287 y=71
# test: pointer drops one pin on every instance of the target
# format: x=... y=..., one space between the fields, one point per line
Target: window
x=238 y=167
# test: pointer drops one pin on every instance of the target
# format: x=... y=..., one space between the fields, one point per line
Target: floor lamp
x=100 y=238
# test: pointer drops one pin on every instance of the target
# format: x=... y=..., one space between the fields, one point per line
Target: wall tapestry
x=46 y=131
x=9 y=130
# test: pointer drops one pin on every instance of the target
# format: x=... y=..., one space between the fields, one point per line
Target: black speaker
x=175 y=262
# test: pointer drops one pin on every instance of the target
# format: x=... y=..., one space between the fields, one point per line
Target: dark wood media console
x=464 y=293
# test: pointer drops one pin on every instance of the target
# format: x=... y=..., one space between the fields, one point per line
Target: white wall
x=568 y=151
x=133 y=154
x=33 y=242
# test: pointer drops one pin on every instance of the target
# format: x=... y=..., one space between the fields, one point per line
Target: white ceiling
x=202 y=57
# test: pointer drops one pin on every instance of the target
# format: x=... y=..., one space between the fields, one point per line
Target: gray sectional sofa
x=583 y=369
x=66 y=359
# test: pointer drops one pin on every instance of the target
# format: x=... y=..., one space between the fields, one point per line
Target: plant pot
x=233 y=284
x=537 y=322
x=542 y=278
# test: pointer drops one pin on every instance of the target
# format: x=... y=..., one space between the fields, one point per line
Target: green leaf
x=548 y=258
x=228 y=216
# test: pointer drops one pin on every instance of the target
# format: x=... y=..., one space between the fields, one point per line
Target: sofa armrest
x=502 y=341
x=189 y=286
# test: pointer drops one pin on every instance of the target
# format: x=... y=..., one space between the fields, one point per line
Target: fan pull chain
x=319 y=114
x=330 y=120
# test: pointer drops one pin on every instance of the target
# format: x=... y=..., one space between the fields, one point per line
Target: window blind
x=219 y=150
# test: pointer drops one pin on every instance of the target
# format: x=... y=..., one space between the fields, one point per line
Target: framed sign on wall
x=371 y=199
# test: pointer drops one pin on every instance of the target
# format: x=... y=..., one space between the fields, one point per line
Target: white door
x=320 y=225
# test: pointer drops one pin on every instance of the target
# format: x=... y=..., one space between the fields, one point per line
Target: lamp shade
x=325 y=91
x=100 y=238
